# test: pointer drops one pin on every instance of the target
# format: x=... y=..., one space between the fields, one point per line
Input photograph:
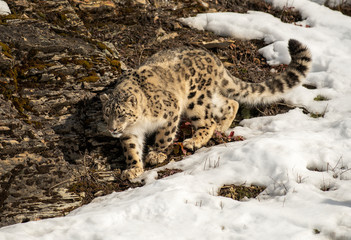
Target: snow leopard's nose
x=113 y=130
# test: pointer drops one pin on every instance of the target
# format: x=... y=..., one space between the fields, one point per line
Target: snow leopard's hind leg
x=225 y=114
x=201 y=117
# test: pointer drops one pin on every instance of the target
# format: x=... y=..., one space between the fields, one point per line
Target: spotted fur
x=190 y=82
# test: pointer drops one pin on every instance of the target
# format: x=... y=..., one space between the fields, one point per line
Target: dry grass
x=240 y=192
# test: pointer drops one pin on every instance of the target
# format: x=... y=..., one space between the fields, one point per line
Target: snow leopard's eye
x=121 y=117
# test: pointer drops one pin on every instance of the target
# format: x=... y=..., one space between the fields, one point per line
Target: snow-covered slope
x=4 y=8
x=294 y=155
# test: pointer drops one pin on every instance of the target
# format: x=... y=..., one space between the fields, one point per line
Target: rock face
x=50 y=119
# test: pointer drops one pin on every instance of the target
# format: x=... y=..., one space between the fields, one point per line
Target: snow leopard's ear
x=133 y=100
x=104 y=97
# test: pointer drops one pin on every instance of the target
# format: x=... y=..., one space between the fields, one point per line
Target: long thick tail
x=272 y=89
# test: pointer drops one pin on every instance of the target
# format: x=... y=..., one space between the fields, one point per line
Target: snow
x=4 y=8
x=281 y=152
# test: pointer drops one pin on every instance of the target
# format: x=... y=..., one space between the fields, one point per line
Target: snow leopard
x=190 y=82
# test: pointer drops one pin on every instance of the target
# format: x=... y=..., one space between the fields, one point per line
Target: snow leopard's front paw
x=131 y=173
x=190 y=144
x=154 y=158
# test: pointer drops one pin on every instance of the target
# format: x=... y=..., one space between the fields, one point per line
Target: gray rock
x=50 y=115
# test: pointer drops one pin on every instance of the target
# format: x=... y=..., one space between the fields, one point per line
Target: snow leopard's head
x=119 y=112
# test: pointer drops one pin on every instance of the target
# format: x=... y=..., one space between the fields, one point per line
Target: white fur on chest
x=144 y=126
